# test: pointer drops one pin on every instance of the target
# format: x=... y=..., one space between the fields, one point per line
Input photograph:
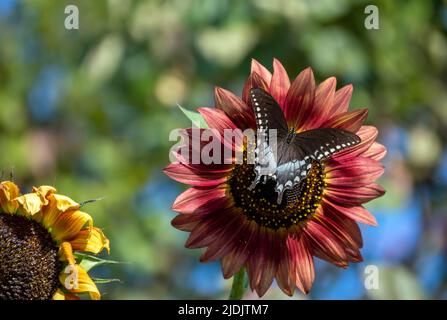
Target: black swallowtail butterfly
x=292 y=160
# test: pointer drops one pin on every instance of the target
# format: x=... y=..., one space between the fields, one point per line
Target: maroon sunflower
x=245 y=227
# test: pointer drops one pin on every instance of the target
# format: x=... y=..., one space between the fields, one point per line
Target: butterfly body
x=284 y=155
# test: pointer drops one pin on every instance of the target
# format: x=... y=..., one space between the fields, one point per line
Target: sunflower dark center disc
x=260 y=204
x=29 y=264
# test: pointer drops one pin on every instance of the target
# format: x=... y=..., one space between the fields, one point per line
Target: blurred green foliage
x=90 y=110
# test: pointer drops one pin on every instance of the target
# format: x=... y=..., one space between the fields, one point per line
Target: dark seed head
x=260 y=204
x=29 y=264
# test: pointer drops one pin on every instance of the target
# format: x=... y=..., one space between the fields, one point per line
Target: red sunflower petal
x=354 y=255
x=252 y=264
x=217 y=119
x=325 y=244
x=231 y=233
x=255 y=259
x=266 y=269
x=237 y=258
x=324 y=99
x=376 y=152
x=286 y=273
x=235 y=108
x=343 y=234
x=200 y=200
x=201 y=169
x=261 y=71
x=350 y=121
x=200 y=176
x=279 y=86
x=253 y=81
x=300 y=99
x=303 y=263
x=186 y=222
x=356 y=172
x=356 y=213
x=276 y=245
x=210 y=228
x=197 y=142
x=368 y=135
x=261 y=266
x=344 y=222
x=341 y=100
x=354 y=196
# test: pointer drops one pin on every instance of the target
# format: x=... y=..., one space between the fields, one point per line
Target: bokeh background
x=90 y=110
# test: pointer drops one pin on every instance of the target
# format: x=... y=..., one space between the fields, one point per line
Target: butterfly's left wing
x=296 y=158
x=270 y=123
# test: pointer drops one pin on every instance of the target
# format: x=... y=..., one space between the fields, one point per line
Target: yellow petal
x=44 y=192
x=57 y=205
x=64 y=203
x=69 y=223
x=59 y=295
x=91 y=240
x=29 y=203
x=66 y=253
x=8 y=193
x=82 y=283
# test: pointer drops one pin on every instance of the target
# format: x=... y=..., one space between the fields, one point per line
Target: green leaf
x=195 y=117
x=88 y=262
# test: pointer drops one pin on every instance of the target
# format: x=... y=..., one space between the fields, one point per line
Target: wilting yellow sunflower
x=39 y=233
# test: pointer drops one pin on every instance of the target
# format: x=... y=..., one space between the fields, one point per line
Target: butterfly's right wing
x=322 y=143
x=306 y=147
x=269 y=120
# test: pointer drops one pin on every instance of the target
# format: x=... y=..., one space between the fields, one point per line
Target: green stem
x=238 y=286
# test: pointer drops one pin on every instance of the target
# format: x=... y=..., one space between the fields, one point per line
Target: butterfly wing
x=295 y=159
x=322 y=143
x=286 y=160
x=270 y=122
x=268 y=113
